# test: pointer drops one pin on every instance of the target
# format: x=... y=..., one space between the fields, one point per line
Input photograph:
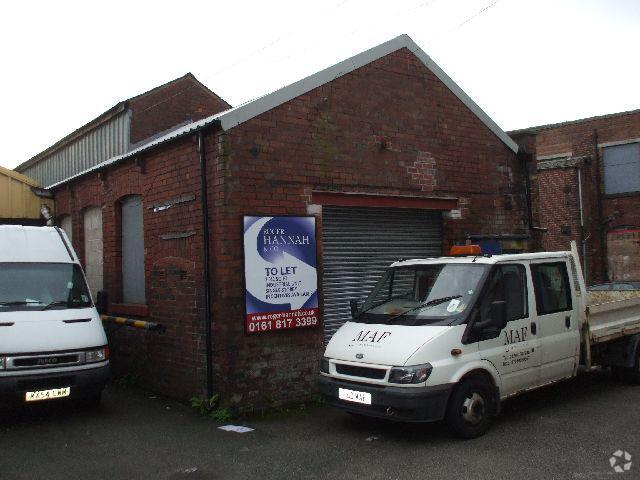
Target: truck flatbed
x=613 y=314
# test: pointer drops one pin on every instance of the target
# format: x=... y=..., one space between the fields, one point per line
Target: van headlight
x=415 y=374
x=98 y=355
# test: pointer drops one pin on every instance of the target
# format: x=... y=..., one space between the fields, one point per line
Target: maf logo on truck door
x=371 y=337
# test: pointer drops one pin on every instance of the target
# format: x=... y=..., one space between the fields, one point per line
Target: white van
x=52 y=342
x=451 y=337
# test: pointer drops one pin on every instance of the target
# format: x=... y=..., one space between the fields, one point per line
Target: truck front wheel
x=469 y=410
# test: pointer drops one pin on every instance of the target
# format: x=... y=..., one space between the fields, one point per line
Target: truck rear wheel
x=470 y=406
x=629 y=374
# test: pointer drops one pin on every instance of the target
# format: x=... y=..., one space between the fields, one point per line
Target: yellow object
x=16 y=198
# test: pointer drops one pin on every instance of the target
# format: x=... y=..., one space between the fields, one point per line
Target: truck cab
x=451 y=337
x=52 y=342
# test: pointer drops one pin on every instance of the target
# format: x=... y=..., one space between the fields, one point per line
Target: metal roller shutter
x=360 y=243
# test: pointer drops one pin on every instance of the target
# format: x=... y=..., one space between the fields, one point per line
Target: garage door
x=358 y=244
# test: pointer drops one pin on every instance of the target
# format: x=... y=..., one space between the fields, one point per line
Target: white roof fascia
x=237 y=115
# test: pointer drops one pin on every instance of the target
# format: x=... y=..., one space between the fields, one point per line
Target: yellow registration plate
x=47 y=394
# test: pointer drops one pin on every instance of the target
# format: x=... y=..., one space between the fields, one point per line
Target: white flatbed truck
x=452 y=337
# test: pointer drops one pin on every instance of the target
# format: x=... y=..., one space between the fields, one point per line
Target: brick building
x=585 y=184
x=391 y=157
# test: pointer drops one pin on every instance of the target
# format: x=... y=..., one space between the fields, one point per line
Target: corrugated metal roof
x=102 y=142
x=99 y=120
x=237 y=115
x=174 y=134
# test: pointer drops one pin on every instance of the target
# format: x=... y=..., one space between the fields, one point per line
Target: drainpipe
x=208 y=284
x=603 y=243
x=527 y=191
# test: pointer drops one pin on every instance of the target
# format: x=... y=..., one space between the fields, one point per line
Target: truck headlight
x=415 y=374
x=99 y=355
x=324 y=365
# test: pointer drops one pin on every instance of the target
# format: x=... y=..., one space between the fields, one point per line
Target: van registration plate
x=354 y=396
x=47 y=394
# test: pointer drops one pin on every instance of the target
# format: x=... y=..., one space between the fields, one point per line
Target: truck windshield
x=410 y=295
x=42 y=286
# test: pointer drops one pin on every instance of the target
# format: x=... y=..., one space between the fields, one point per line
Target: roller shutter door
x=360 y=243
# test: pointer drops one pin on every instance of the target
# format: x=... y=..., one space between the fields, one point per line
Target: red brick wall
x=172 y=362
x=330 y=139
x=183 y=100
x=555 y=192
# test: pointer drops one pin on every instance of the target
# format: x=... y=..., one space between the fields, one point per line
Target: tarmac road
x=566 y=431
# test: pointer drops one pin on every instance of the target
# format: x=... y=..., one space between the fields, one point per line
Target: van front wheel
x=469 y=410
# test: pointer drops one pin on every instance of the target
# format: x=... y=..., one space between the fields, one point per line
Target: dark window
x=133 y=281
x=403 y=292
x=507 y=283
x=551 y=286
x=622 y=168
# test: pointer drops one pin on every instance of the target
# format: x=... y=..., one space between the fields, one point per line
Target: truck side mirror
x=101 y=302
x=495 y=322
x=498 y=314
x=355 y=310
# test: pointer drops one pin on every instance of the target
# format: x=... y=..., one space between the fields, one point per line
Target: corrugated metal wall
x=106 y=141
x=358 y=244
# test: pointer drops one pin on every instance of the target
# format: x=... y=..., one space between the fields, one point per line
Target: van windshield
x=423 y=294
x=42 y=286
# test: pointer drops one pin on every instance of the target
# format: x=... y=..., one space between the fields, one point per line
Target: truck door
x=514 y=352
x=557 y=320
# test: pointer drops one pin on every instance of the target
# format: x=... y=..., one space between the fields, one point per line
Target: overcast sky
x=525 y=62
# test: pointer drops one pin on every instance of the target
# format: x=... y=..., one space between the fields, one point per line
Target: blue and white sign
x=281 y=276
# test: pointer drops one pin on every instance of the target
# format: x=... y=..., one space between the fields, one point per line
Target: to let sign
x=280 y=270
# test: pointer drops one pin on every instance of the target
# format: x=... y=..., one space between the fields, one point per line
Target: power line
x=268 y=45
x=464 y=22
x=475 y=15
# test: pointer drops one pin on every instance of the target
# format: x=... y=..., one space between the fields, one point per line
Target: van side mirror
x=495 y=323
x=101 y=302
x=355 y=309
x=498 y=314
